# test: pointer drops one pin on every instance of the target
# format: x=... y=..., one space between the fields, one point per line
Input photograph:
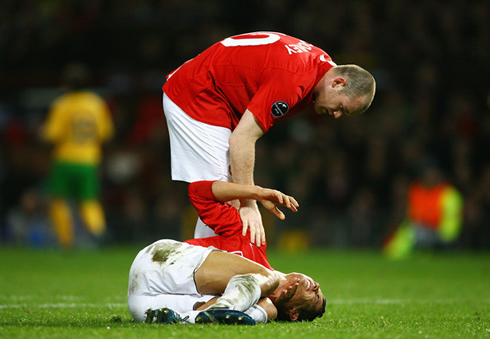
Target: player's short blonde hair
x=359 y=83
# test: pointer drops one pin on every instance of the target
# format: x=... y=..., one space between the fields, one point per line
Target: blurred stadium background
x=430 y=59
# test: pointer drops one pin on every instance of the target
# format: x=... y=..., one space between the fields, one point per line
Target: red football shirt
x=271 y=74
x=226 y=223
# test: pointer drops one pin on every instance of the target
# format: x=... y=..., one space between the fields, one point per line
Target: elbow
x=241 y=141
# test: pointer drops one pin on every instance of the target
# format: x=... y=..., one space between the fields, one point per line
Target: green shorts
x=68 y=180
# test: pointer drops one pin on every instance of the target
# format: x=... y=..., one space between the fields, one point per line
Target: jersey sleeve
x=220 y=217
x=280 y=92
x=55 y=127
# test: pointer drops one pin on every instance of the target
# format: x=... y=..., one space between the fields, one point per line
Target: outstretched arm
x=270 y=199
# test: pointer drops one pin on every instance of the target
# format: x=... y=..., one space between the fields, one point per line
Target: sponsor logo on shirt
x=279 y=109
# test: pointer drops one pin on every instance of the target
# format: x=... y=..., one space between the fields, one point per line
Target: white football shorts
x=198 y=151
x=162 y=275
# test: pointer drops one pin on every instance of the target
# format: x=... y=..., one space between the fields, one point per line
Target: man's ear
x=293 y=313
x=338 y=81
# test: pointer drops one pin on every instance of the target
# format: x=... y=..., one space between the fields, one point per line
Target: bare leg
x=219 y=267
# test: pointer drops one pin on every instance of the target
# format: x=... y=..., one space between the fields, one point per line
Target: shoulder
x=93 y=96
x=273 y=49
x=63 y=98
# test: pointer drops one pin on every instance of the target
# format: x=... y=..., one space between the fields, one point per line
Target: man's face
x=301 y=292
x=330 y=100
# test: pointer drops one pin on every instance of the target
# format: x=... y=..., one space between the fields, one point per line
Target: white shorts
x=198 y=151
x=162 y=275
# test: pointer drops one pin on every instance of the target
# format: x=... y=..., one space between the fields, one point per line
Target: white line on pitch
x=397 y=301
x=64 y=305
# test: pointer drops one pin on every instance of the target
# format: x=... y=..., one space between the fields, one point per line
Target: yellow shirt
x=77 y=124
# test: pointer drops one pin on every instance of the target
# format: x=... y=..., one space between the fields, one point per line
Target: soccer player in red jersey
x=218 y=104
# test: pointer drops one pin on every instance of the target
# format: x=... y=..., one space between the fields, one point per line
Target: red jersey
x=273 y=75
x=226 y=223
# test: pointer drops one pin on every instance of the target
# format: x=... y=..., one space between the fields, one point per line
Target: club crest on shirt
x=279 y=109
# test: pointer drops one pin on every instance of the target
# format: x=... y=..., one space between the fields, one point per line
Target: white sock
x=241 y=293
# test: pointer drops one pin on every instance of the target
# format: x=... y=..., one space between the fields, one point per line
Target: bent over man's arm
x=242 y=157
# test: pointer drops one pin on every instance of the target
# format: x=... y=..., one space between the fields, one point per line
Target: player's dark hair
x=304 y=314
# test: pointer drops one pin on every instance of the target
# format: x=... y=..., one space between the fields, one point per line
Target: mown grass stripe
x=331 y=302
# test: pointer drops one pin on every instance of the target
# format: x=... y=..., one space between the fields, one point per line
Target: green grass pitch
x=48 y=294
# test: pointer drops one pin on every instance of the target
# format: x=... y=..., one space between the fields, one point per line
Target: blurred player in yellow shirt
x=77 y=124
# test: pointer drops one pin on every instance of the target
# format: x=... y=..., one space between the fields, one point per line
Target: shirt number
x=251 y=39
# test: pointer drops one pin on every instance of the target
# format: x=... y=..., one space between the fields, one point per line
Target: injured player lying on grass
x=199 y=281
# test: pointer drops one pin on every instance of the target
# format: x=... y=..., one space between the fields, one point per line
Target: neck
x=322 y=84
